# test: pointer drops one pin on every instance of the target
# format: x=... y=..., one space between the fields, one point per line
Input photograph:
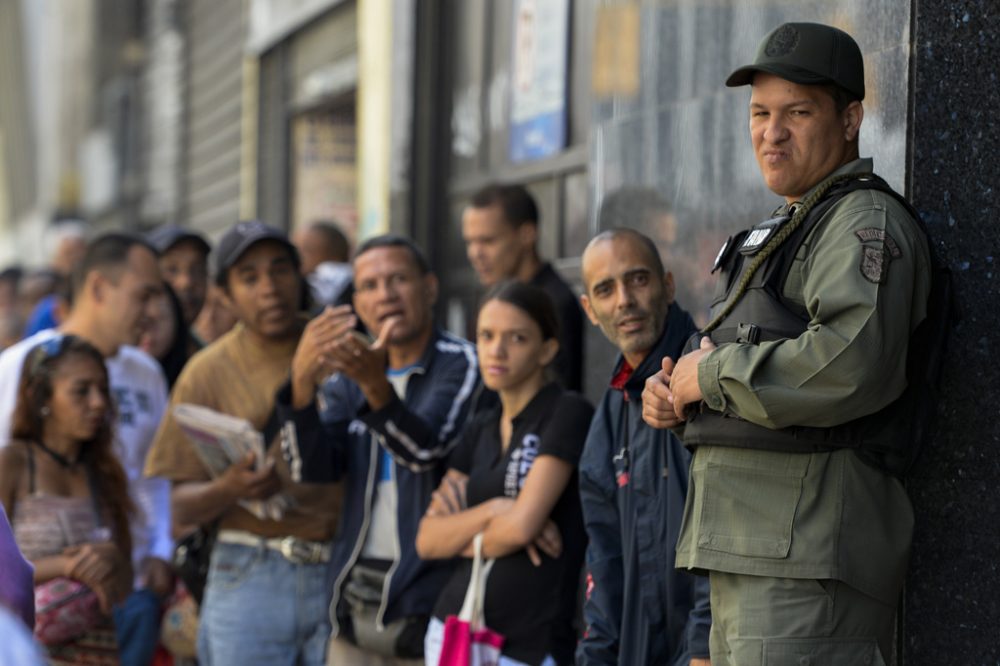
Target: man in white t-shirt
x=113 y=288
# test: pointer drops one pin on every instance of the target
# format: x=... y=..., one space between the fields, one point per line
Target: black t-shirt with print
x=533 y=607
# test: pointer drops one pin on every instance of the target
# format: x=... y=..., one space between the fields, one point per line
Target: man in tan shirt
x=267 y=591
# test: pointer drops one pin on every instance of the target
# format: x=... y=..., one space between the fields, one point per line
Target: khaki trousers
x=763 y=621
x=345 y=653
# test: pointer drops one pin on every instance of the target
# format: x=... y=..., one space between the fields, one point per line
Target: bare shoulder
x=13 y=463
x=13 y=457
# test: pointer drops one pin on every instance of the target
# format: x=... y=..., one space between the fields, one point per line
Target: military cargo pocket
x=750 y=501
x=821 y=652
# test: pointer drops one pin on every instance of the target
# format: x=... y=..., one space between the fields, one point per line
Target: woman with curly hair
x=67 y=498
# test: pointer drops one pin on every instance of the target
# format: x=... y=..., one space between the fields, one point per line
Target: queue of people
x=733 y=499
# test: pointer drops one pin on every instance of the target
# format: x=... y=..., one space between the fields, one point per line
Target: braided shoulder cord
x=776 y=242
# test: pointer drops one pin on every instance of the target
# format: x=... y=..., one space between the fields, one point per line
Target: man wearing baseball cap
x=184 y=265
x=794 y=399
x=267 y=592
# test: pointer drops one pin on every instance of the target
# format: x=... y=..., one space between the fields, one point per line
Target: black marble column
x=952 y=599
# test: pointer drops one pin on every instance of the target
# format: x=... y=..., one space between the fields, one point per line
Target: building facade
x=388 y=114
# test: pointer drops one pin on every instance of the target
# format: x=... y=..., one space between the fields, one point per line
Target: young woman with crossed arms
x=513 y=478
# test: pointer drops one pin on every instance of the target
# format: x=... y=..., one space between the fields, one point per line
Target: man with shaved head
x=633 y=479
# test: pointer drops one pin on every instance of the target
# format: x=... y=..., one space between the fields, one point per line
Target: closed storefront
x=519 y=94
x=215 y=113
x=307 y=166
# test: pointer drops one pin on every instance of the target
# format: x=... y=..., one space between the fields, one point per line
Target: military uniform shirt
x=863 y=275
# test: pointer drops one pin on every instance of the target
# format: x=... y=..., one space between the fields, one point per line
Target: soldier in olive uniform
x=794 y=401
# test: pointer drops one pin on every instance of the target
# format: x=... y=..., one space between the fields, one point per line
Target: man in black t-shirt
x=500 y=229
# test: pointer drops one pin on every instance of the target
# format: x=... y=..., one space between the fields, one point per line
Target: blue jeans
x=259 y=608
x=137 y=627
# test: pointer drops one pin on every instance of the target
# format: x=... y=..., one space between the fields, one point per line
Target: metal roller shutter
x=216 y=31
x=16 y=128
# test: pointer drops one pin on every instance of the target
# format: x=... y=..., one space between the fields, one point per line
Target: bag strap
x=92 y=483
x=776 y=240
x=475 y=594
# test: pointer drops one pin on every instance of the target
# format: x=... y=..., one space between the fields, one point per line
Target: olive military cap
x=807 y=53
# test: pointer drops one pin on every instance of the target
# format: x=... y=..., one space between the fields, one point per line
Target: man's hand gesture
x=313 y=360
x=669 y=392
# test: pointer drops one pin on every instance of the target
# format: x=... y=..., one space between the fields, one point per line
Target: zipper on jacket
x=623 y=477
x=359 y=544
x=386 y=584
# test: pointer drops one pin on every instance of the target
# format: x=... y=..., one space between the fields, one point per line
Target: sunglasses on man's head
x=49 y=349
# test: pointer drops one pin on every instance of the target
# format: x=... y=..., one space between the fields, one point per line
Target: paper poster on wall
x=324 y=176
x=538 y=101
x=616 y=60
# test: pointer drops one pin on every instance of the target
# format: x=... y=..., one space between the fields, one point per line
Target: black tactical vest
x=885 y=438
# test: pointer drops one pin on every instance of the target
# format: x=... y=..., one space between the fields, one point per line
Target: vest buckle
x=748 y=333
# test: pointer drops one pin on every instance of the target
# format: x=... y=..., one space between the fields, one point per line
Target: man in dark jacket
x=500 y=229
x=633 y=479
x=384 y=418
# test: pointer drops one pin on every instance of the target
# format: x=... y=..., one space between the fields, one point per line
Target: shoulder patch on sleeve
x=874 y=264
x=875 y=259
x=872 y=234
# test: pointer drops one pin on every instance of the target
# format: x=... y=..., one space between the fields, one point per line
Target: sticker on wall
x=539 y=65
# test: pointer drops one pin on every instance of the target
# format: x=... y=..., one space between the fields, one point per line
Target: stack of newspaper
x=220 y=440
